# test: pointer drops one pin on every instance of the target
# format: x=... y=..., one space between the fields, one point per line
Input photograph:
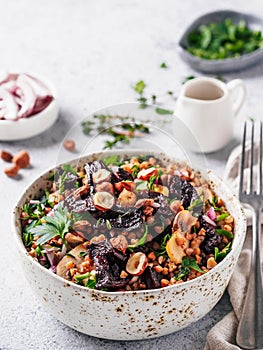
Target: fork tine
x=242 y=162
x=260 y=159
x=251 y=158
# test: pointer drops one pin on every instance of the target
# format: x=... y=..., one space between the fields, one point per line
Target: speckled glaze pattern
x=130 y=315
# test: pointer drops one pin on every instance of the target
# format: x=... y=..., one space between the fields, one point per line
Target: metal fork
x=250 y=328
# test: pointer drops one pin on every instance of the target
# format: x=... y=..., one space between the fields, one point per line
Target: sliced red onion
x=209 y=221
x=63 y=252
x=9 y=108
x=42 y=103
x=34 y=201
x=38 y=86
x=27 y=95
x=211 y=214
x=22 y=95
x=52 y=258
x=3 y=77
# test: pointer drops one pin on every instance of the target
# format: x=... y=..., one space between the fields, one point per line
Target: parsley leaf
x=163 y=65
x=141 y=241
x=58 y=225
x=219 y=255
x=139 y=87
x=163 y=111
x=224 y=232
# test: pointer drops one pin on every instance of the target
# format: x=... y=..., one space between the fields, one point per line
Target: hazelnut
x=101 y=175
x=127 y=198
x=22 y=159
x=6 y=156
x=12 y=171
x=103 y=200
x=69 y=145
x=105 y=187
x=211 y=262
x=136 y=264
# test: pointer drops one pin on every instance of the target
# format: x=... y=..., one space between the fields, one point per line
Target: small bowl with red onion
x=28 y=106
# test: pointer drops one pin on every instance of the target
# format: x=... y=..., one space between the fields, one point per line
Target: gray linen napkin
x=222 y=335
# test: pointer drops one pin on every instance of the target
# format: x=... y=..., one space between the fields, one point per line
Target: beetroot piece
x=109 y=264
x=151 y=278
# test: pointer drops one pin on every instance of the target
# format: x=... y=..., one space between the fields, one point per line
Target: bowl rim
x=212 y=178
x=193 y=25
x=41 y=114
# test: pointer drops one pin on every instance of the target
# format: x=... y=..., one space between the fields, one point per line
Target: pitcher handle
x=238 y=84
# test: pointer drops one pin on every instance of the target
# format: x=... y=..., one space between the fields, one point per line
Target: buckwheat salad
x=127 y=224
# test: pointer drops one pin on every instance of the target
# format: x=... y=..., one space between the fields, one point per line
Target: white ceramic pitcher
x=207 y=107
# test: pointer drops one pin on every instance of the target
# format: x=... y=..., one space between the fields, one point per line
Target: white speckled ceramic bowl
x=130 y=315
x=24 y=128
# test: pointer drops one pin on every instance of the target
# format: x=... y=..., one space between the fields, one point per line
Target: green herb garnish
x=135 y=170
x=220 y=255
x=139 y=87
x=223 y=216
x=121 y=129
x=83 y=254
x=113 y=160
x=163 y=111
x=162 y=249
x=141 y=186
x=223 y=40
x=163 y=65
x=69 y=168
x=91 y=280
x=187 y=265
x=190 y=77
x=141 y=241
x=224 y=232
x=57 y=225
x=87 y=126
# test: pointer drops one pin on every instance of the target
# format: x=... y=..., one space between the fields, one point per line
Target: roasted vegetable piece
x=73 y=255
x=109 y=263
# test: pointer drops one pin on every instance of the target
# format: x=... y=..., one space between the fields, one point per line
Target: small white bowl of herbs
x=223 y=41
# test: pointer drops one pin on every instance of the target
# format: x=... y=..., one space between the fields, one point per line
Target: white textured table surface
x=94 y=51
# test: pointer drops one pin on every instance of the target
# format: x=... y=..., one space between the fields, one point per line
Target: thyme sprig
x=121 y=129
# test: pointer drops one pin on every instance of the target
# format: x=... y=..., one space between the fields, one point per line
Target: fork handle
x=250 y=328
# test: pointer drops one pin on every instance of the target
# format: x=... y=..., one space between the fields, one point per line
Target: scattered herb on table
x=139 y=87
x=121 y=129
x=223 y=40
x=163 y=65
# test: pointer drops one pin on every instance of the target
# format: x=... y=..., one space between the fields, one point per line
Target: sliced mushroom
x=184 y=221
x=174 y=251
x=74 y=256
